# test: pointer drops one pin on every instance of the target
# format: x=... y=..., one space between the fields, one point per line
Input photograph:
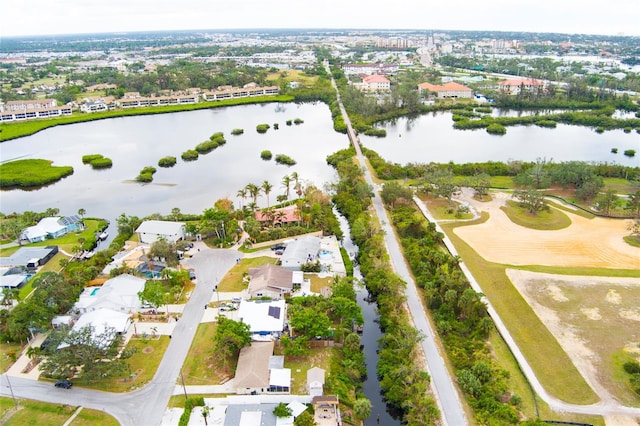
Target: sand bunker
x=593 y=242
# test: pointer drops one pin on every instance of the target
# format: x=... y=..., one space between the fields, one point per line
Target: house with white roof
x=100 y=321
x=265 y=318
x=119 y=294
x=151 y=231
x=51 y=227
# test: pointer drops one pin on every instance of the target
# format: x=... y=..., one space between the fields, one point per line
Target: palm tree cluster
x=252 y=191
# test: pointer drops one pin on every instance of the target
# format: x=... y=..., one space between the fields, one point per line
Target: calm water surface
x=135 y=142
x=432 y=138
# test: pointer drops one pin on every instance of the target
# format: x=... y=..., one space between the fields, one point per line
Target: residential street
x=147 y=405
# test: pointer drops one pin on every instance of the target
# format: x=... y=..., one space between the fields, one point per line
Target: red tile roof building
x=447 y=90
x=517 y=85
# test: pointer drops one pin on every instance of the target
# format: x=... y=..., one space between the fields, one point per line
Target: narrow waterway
x=369 y=339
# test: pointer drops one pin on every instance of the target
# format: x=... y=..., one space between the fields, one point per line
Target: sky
x=44 y=17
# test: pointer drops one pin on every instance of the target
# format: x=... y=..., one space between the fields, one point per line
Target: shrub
x=298 y=121
x=288 y=122
x=101 y=163
x=547 y=123
x=206 y=146
x=146 y=174
x=630 y=152
x=614 y=150
x=266 y=155
x=380 y=133
x=167 y=162
x=631 y=367
x=285 y=159
x=87 y=159
x=599 y=129
x=276 y=126
x=237 y=131
x=262 y=128
x=496 y=129
x=190 y=155
x=627 y=130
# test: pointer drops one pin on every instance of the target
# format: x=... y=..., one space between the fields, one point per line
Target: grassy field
x=200 y=367
x=143 y=365
x=318 y=283
x=441 y=210
x=293 y=75
x=45 y=414
x=232 y=281
x=543 y=220
x=550 y=362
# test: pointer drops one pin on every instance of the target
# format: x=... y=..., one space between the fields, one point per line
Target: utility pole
x=184 y=388
x=15 y=402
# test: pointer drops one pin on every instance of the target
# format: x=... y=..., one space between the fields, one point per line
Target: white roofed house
x=265 y=318
x=51 y=227
x=151 y=231
x=119 y=294
x=315 y=381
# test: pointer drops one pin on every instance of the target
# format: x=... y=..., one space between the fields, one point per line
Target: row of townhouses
x=42 y=108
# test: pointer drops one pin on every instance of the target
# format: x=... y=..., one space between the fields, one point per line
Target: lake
x=432 y=138
x=135 y=142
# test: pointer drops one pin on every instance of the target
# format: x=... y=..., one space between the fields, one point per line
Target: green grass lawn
x=620 y=185
x=45 y=414
x=441 y=210
x=200 y=367
x=543 y=220
x=318 y=357
x=550 y=362
x=232 y=281
x=143 y=364
x=8 y=354
x=632 y=240
x=318 y=283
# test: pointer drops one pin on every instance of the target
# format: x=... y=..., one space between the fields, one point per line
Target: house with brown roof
x=259 y=372
x=447 y=90
x=518 y=85
x=270 y=281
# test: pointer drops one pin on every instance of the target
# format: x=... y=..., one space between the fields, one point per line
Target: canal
x=369 y=340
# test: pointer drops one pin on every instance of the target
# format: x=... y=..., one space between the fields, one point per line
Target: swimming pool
x=94 y=291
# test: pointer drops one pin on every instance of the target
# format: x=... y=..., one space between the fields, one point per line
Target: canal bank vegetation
x=404 y=382
x=31 y=173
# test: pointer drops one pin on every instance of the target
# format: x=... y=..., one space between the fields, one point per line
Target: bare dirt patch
x=596 y=242
x=590 y=328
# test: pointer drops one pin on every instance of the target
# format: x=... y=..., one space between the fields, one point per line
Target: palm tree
x=242 y=193
x=266 y=188
x=82 y=212
x=253 y=190
x=297 y=184
x=286 y=183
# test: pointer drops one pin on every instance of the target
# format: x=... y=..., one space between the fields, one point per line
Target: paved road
x=145 y=406
x=442 y=385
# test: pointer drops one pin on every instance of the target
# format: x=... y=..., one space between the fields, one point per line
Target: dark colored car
x=278 y=247
x=65 y=384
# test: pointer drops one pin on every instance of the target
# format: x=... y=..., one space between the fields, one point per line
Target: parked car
x=64 y=384
x=236 y=299
x=279 y=252
x=278 y=247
